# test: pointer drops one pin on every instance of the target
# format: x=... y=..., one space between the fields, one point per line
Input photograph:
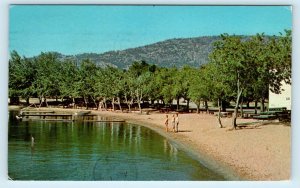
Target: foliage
x=69 y=79
x=238 y=67
x=251 y=66
x=21 y=76
x=47 y=72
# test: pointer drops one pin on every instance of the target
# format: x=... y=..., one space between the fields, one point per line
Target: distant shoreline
x=200 y=136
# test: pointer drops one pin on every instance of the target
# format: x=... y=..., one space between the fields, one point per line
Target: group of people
x=174 y=122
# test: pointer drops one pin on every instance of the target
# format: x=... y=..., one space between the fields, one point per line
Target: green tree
x=257 y=55
x=234 y=70
x=252 y=66
x=165 y=84
x=46 y=83
x=139 y=81
x=87 y=81
x=181 y=83
x=141 y=88
x=102 y=87
x=69 y=80
x=117 y=81
x=21 y=77
x=217 y=88
x=128 y=89
x=196 y=91
x=272 y=59
x=109 y=86
x=280 y=55
x=152 y=86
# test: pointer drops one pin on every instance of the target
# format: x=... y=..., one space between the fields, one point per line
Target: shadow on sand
x=184 y=131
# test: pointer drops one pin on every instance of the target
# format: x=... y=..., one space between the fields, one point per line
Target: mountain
x=168 y=53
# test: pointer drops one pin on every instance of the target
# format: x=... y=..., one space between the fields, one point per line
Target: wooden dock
x=51 y=113
x=70 y=120
x=64 y=115
x=79 y=116
x=83 y=116
x=35 y=111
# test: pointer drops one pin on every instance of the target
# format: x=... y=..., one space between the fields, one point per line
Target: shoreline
x=187 y=146
x=219 y=149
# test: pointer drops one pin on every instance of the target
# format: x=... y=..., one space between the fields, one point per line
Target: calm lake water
x=96 y=151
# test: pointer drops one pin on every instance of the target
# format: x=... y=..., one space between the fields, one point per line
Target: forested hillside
x=168 y=53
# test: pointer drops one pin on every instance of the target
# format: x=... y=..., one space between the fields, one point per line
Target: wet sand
x=259 y=151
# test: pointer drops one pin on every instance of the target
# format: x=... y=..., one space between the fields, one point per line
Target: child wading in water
x=166 y=123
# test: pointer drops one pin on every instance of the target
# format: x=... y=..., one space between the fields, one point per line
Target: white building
x=281 y=100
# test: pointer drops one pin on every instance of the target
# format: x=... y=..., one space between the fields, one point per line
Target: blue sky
x=83 y=29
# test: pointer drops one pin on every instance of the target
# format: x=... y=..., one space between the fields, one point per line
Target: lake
x=96 y=151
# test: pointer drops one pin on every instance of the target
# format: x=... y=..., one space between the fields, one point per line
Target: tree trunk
x=128 y=103
x=241 y=107
x=131 y=102
x=177 y=103
x=113 y=103
x=45 y=101
x=219 y=115
x=139 y=104
x=206 y=106
x=99 y=105
x=239 y=93
x=255 y=108
x=223 y=107
x=188 y=105
x=248 y=104
x=40 y=100
x=94 y=100
x=198 y=107
x=139 y=97
x=152 y=101
x=74 y=104
x=120 y=106
x=236 y=110
x=262 y=104
x=105 y=104
x=27 y=101
x=85 y=102
x=129 y=107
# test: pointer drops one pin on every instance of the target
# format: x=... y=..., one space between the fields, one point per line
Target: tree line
x=239 y=70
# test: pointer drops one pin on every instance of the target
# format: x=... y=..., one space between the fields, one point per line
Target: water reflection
x=170 y=150
x=96 y=151
x=32 y=146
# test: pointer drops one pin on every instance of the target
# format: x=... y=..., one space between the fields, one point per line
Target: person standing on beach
x=173 y=123
x=167 y=123
x=177 y=122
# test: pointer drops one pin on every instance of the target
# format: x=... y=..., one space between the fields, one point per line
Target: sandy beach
x=259 y=151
